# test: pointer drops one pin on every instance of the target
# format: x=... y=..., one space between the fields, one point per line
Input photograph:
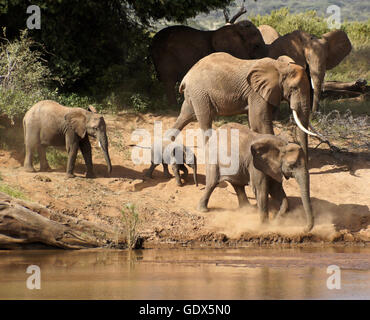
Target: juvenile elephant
x=177 y=155
x=269 y=34
x=318 y=54
x=263 y=161
x=221 y=84
x=48 y=123
x=176 y=49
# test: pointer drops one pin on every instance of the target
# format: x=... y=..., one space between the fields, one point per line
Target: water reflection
x=186 y=274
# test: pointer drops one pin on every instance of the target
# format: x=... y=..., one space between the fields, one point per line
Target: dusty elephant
x=48 y=123
x=264 y=160
x=176 y=49
x=269 y=34
x=177 y=155
x=221 y=84
x=318 y=54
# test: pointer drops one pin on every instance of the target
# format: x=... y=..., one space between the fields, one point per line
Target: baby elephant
x=263 y=161
x=177 y=155
x=48 y=123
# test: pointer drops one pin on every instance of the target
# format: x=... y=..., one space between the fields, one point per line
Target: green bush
x=24 y=76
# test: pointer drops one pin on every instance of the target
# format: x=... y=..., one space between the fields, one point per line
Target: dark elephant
x=176 y=49
x=48 y=123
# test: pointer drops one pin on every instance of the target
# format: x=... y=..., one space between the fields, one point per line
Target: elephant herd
x=236 y=69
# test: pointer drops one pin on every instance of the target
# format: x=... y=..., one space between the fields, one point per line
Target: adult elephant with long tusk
x=48 y=123
x=221 y=84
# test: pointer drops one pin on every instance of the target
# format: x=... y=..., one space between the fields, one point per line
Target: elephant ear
x=339 y=47
x=227 y=39
x=267 y=157
x=263 y=77
x=77 y=121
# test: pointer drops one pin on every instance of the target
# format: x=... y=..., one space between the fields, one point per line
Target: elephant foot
x=70 y=176
x=167 y=175
x=90 y=175
x=29 y=169
x=202 y=208
x=308 y=228
x=45 y=169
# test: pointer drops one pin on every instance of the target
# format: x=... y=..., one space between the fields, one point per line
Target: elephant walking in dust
x=264 y=160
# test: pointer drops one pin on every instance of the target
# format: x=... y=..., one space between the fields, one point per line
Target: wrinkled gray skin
x=48 y=123
x=176 y=49
x=263 y=161
x=221 y=84
x=179 y=156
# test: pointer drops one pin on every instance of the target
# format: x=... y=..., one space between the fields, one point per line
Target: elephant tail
x=182 y=86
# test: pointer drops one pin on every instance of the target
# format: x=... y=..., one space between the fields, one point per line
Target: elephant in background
x=221 y=84
x=316 y=54
x=176 y=49
x=264 y=160
x=48 y=123
x=269 y=34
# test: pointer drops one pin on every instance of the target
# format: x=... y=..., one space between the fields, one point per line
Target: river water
x=247 y=273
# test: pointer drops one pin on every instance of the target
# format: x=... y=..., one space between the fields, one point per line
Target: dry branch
x=236 y=16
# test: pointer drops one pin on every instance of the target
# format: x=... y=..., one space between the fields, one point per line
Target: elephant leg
x=184 y=170
x=85 y=148
x=44 y=165
x=169 y=86
x=149 y=173
x=31 y=142
x=72 y=148
x=242 y=197
x=186 y=116
x=176 y=173
x=212 y=179
x=260 y=114
x=166 y=173
x=28 y=158
x=261 y=185
x=277 y=192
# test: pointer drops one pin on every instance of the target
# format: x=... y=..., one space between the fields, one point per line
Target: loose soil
x=168 y=216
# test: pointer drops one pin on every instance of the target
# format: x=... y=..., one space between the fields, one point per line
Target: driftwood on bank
x=23 y=223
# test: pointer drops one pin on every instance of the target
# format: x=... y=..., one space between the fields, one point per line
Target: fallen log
x=358 y=86
x=23 y=223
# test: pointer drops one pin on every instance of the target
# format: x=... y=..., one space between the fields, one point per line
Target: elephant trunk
x=303 y=179
x=103 y=143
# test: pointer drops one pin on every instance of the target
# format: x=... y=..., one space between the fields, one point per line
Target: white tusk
x=313 y=86
x=99 y=144
x=300 y=125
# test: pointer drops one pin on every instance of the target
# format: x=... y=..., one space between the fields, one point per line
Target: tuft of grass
x=56 y=158
x=12 y=192
x=130 y=218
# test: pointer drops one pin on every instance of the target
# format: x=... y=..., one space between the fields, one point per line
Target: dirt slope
x=168 y=215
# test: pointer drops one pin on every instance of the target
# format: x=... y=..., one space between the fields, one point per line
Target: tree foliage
x=84 y=38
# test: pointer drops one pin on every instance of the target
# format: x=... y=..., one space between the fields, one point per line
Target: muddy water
x=247 y=273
